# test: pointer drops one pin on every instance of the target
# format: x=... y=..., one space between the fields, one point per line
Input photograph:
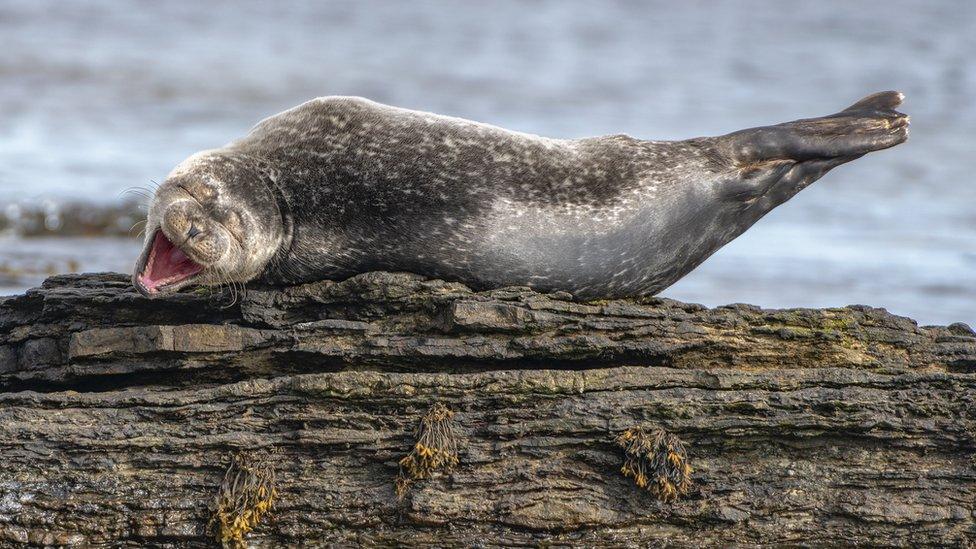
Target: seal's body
x=339 y=186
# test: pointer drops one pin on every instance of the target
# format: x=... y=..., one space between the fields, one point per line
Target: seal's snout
x=164 y=268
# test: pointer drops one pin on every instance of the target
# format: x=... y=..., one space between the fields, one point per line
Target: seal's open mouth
x=166 y=268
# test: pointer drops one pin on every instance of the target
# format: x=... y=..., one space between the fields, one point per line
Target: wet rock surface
x=119 y=416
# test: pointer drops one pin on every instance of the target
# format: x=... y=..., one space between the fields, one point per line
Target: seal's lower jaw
x=164 y=268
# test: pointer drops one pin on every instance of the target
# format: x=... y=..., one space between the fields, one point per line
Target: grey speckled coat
x=362 y=186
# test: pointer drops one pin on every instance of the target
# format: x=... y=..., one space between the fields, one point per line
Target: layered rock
x=119 y=417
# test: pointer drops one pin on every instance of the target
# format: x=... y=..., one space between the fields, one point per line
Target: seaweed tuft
x=435 y=449
x=246 y=494
x=657 y=463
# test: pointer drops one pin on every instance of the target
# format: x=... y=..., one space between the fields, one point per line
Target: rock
x=119 y=416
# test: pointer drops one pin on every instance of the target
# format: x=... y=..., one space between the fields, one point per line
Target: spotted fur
x=348 y=185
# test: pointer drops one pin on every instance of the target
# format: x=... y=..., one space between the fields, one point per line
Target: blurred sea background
x=101 y=96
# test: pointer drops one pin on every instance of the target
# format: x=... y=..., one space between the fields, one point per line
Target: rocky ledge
x=389 y=409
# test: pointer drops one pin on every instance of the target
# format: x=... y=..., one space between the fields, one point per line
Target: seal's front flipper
x=869 y=125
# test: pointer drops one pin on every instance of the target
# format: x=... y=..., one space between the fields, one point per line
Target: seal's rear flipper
x=869 y=125
x=886 y=100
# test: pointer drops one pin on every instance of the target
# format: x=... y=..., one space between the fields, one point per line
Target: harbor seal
x=342 y=185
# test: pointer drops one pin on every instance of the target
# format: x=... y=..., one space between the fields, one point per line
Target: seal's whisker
x=142 y=196
x=136 y=224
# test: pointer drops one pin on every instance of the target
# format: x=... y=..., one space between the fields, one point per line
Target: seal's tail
x=869 y=125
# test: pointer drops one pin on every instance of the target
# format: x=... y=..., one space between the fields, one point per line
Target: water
x=26 y=263
x=100 y=96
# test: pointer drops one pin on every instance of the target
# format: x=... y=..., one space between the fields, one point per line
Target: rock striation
x=119 y=418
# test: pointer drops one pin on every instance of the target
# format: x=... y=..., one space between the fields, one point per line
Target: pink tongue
x=167 y=264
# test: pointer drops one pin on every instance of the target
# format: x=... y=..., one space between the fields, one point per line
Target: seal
x=342 y=185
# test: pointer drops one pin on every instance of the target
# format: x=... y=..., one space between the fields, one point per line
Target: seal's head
x=214 y=220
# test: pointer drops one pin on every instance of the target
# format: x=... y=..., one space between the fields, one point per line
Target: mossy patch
x=834 y=327
x=246 y=494
x=435 y=449
x=839 y=323
x=657 y=463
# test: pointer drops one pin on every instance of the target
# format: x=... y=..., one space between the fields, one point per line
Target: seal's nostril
x=192 y=232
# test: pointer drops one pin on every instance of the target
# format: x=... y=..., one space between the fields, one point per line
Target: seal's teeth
x=147 y=284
